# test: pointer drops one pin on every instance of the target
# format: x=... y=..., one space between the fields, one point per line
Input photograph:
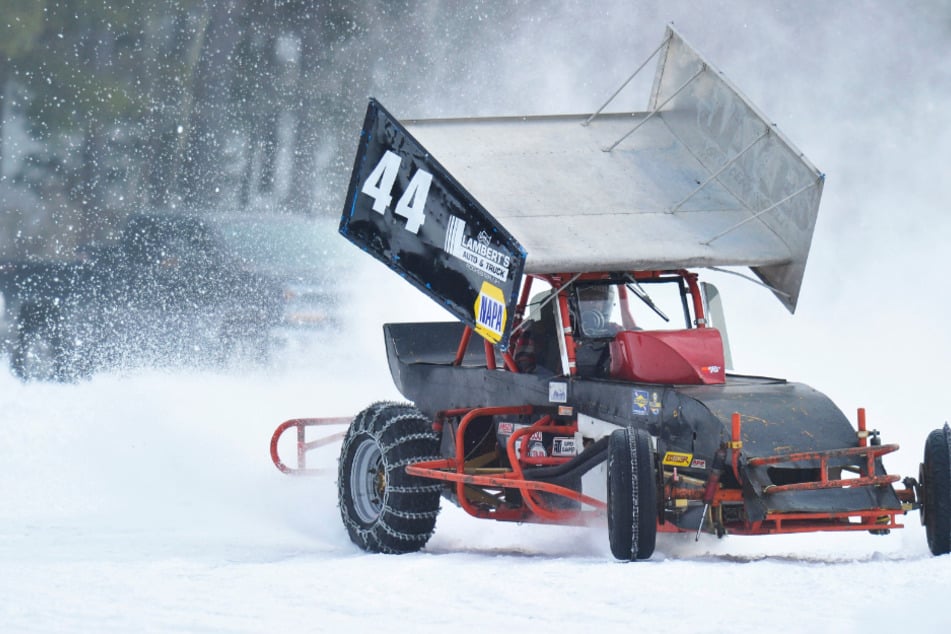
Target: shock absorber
x=713 y=483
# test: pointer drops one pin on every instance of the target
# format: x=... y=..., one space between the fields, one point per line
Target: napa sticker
x=478 y=253
x=490 y=312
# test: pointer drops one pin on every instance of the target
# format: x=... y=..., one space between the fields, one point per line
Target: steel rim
x=368 y=481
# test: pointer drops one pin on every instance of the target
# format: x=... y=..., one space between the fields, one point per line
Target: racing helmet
x=596 y=304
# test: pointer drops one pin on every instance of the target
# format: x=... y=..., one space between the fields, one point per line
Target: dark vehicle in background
x=303 y=255
x=169 y=291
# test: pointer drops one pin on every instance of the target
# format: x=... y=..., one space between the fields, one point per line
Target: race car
x=599 y=385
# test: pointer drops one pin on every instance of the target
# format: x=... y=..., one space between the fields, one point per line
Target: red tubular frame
x=870 y=454
x=785 y=523
x=303 y=445
x=775 y=523
x=463 y=344
x=456 y=471
x=466 y=478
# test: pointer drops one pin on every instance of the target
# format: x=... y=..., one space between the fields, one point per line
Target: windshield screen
x=604 y=309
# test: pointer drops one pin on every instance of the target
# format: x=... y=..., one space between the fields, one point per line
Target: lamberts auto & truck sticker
x=478 y=253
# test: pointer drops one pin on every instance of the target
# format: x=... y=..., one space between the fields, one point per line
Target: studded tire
x=936 y=482
x=632 y=497
x=384 y=509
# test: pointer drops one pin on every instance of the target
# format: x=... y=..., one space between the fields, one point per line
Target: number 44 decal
x=412 y=204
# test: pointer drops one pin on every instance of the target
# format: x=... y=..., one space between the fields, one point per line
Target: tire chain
x=406 y=516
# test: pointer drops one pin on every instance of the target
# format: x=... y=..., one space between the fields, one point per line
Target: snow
x=147 y=502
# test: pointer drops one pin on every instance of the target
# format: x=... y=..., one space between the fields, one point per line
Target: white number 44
x=412 y=204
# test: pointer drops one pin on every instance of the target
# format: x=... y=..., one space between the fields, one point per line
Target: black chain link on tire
x=408 y=505
x=632 y=498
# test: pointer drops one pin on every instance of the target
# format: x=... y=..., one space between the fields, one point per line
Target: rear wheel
x=383 y=508
x=632 y=498
x=936 y=485
x=40 y=352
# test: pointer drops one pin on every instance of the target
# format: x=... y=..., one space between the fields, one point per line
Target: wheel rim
x=368 y=484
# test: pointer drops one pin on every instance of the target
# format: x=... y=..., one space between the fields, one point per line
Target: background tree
x=22 y=23
x=212 y=104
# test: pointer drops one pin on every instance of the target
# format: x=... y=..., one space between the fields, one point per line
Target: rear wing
x=700 y=179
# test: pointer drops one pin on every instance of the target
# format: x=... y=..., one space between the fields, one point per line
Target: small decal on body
x=640 y=400
x=677 y=459
x=557 y=392
x=563 y=446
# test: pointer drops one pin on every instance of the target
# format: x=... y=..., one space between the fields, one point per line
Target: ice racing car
x=596 y=385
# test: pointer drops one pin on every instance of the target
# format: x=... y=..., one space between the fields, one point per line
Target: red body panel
x=682 y=357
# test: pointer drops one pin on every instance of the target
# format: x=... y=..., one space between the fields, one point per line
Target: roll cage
x=569 y=330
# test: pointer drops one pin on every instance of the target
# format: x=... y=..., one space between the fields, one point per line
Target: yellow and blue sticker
x=641 y=398
x=646 y=402
x=490 y=313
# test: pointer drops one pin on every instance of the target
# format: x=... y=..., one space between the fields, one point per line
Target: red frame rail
x=303 y=445
x=479 y=489
x=869 y=453
x=465 y=476
x=874 y=519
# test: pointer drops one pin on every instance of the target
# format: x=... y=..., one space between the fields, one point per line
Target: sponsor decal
x=655 y=405
x=490 y=312
x=677 y=459
x=536 y=450
x=563 y=446
x=507 y=429
x=641 y=398
x=711 y=369
x=536 y=446
x=698 y=463
x=477 y=252
x=558 y=392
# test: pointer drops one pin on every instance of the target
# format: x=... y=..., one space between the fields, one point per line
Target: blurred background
x=109 y=107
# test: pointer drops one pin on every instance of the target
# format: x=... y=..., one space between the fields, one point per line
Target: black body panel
x=778 y=417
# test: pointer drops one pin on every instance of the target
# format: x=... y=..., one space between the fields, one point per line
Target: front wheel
x=936 y=485
x=632 y=497
x=384 y=509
